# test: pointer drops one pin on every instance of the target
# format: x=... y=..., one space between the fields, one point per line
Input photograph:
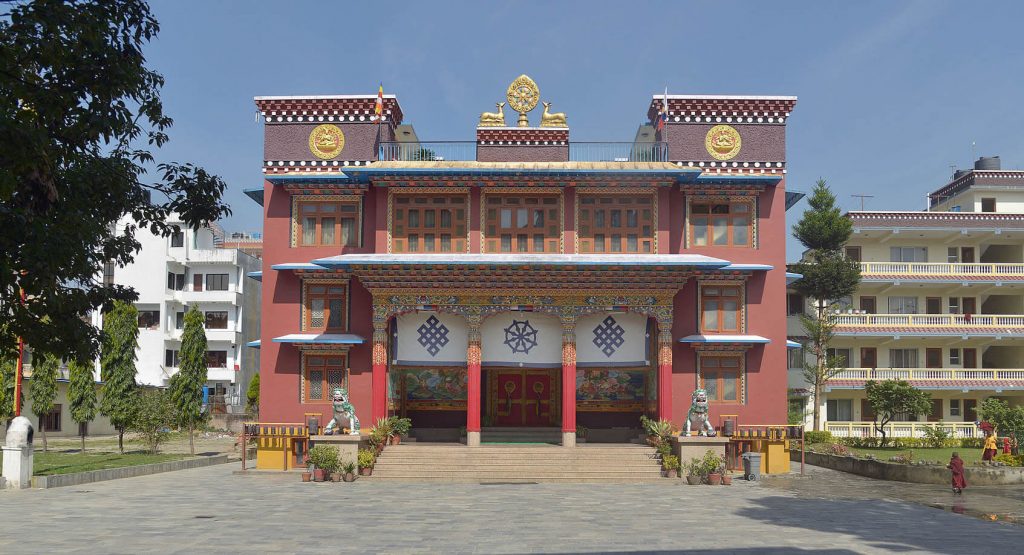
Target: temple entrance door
x=522 y=397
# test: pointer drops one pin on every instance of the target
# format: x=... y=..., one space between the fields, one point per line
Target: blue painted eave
x=748 y=268
x=297 y=266
x=793 y=277
x=790 y=344
x=258 y=276
x=733 y=339
x=322 y=338
x=255 y=194
x=254 y=344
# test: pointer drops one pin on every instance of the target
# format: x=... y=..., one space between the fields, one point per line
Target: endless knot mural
x=521 y=336
x=608 y=336
x=433 y=335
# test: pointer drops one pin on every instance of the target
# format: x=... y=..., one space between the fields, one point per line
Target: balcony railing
x=439 y=151
x=931 y=320
x=945 y=374
x=900 y=429
x=936 y=268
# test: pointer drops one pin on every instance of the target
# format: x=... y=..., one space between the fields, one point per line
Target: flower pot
x=395 y=440
x=307 y=476
x=335 y=476
x=726 y=480
x=319 y=475
x=693 y=480
x=349 y=477
x=715 y=479
x=672 y=473
x=366 y=471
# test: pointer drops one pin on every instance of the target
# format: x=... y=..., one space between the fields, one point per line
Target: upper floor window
x=795 y=304
x=721 y=223
x=853 y=253
x=522 y=224
x=321 y=374
x=722 y=377
x=988 y=205
x=902 y=305
x=178 y=238
x=216 y=282
x=721 y=308
x=908 y=254
x=324 y=307
x=149 y=319
x=175 y=282
x=328 y=223
x=616 y=223
x=216 y=359
x=429 y=223
x=217 y=320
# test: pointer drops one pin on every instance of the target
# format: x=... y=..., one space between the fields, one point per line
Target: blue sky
x=891 y=94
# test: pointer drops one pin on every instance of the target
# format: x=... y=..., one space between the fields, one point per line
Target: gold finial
x=548 y=119
x=522 y=96
x=493 y=119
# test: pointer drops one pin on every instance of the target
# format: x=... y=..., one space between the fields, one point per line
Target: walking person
x=956 y=467
x=990 y=447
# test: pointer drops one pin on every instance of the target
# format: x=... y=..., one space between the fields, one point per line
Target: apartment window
x=795 y=304
x=328 y=223
x=322 y=374
x=616 y=223
x=843 y=357
x=216 y=359
x=952 y=255
x=522 y=224
x=171 y=359
x=721 y=376
x=216 y=282
x=325 y=307
x=179 y=320
x=839 y=410
x=721 y=223
x=149 y=319
x=796 y=358
x=51 y=420
x=175 y=282
x=988 y=205
x=902 y=305
x=908 y=254
x=720 y=308
x=429 y=223
x=853 y=253
x=954 y=357
x=903 y=358
x=178 y=238
x=217 y=320
x=954 y=305
x=954 y=407
x=108 y=273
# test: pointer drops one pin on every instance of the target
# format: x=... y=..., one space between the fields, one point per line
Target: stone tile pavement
x=210 y=510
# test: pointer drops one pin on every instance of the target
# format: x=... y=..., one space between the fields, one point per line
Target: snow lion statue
x=344 y=414
x=698 y=414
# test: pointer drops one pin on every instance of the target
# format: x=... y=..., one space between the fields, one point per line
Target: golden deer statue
x=493 y=119
x=557 y=119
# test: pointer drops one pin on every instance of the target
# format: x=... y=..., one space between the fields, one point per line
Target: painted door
x=868 y=304
x=970 y=358
x=933 y=358
x=507 y=397
x=970 y=410
x=537 y=399
x=868 y=357
x=521 y=397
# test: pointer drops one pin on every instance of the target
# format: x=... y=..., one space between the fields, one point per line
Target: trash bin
x=752 y=465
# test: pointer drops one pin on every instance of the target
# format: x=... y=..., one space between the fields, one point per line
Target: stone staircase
x=501 y=463
x=521 y=435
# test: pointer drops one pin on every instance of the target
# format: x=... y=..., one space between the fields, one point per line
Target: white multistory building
x=190 y=269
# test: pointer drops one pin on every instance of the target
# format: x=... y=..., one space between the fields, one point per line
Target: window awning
x=790 y=344
x=731 y=339
x=254 y=344
x=792 y=277
x=258 y=276
x=297 y=266
x=321 y=338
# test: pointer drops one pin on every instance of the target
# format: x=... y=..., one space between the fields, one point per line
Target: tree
x=81 y=394
x=252 y=395
x=117 y=367
x=827 y=277
x=891 y=398
x=80 y=119
x=44 y=389
x=154 y=418
x=1009 y=421
x=186 y=386
x=8 y=369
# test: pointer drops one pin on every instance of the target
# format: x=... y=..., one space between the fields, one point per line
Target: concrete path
x=209 y=510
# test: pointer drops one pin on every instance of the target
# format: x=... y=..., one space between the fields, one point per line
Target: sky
x=891 y=93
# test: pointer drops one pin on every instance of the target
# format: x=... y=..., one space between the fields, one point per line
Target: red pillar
x=569 y=380
x=473 y=393
x=665 y=370
x=379 y=380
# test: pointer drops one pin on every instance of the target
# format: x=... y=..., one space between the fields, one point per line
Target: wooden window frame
x=740 y=309
x=311 y=362
x=215 y=280
x=396 y=240
x=208 y=362
x=586 y=241
x=206 y=319
x=308 y=296
x=52 y=417
x=703 y=372
x=552 y=243
x=730 y=201
x=298 y=220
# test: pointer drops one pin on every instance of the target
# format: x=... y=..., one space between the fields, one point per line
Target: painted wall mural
x=611 y=390
x=435 y=388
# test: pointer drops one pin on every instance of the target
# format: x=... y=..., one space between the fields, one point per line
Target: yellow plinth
x=278 y=453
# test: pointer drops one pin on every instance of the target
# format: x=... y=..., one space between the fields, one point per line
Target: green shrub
x=366 y=458
x=937 y=436
x=818 y=437
x=325 y=457
x=670 y=462
x=713 y=464
x=1011 y=460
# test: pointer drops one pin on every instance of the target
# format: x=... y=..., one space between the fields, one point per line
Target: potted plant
x=349 y=474
x=399 y=427
x=379 y=434
x=695 y=472
x=366 y=460
x=581 y=434
x=713 y=467
x=307 y=476
x=670 y=466
x=323 y=457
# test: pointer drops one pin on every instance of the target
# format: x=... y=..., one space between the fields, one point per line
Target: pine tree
x=82 y=394
x=44 y=389
x=252 y=395
x=186 y=386
x=827 y=277
x=117 y=367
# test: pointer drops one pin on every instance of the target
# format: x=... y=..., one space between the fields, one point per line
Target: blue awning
x=253 y=344
x=258 y=276
x=792 y=277
x=748 y=267
x=744 y=339
x=324 y=338
x=297 y=266
x=255 y=194
x=790 y=344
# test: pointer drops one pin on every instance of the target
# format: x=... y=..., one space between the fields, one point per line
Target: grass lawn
x=969 y=455
x=56 y=462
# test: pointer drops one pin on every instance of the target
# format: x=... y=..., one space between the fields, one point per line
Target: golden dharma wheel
x=523 y=96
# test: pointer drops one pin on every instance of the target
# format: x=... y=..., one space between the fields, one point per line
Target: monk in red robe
x=956 y=466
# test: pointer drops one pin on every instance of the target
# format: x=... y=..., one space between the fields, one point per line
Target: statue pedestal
x=348 y=445
x=17 y=467
x=690 y=447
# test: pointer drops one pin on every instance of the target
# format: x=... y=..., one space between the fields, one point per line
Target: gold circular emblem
x=723 y=142
x=523 y=94
x=326 y=141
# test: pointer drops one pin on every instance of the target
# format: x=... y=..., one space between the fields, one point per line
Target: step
x=548 y=480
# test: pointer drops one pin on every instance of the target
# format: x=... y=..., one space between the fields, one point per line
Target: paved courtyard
x=211 y=510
